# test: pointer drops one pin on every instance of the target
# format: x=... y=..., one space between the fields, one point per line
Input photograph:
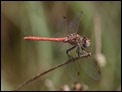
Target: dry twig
x=53 y=68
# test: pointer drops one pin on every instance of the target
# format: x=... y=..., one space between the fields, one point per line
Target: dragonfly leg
x=68 y=50
x=78 y=51
x=81 y=53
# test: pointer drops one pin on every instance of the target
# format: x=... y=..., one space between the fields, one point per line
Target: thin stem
x=97 y=34
x=53 y=68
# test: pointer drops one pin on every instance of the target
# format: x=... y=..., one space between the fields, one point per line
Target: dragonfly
x=72 y=37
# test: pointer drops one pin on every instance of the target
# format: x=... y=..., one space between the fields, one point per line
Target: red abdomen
x=62 y=39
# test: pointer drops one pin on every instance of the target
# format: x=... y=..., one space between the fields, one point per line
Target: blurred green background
x=21 y=59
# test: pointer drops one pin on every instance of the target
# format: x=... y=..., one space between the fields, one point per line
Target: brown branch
x=53 y=68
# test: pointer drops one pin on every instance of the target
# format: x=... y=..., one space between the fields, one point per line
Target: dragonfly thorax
x=76 y=39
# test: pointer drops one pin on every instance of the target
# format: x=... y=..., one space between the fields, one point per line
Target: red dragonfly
x=74 y=39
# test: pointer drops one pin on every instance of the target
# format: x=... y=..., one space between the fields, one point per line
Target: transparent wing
x=61 y=32
x=73 y=68
x=72 y=72
x=90 y=67
x=74 y=24
x=66 y=29
x=62 y=27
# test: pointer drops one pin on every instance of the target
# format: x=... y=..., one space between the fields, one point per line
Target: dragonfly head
x=85 y=42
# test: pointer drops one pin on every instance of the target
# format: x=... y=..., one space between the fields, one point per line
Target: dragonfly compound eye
x=86 y=42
